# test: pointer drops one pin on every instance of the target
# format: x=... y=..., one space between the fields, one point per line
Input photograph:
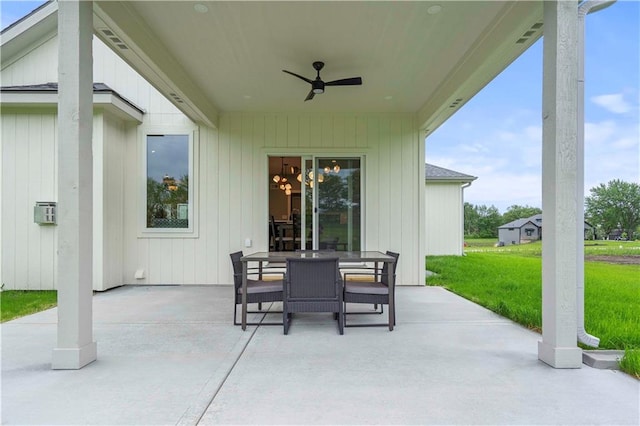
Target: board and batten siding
x=231 y=171
x=39 y=65
x=233 y=192
x=109 y=140
x=28 y=148
x=444 y=227
x=29 y=174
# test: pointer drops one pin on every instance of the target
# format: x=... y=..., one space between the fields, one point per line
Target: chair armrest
x=346 y=276
x=270 y=275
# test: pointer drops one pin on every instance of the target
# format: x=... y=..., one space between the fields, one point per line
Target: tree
x=470 y=220
x=615 y=205
x=519 y=212
x=481 y=221
x=488 y=221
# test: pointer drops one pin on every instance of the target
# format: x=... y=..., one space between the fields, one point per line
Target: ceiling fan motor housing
x=317 y=86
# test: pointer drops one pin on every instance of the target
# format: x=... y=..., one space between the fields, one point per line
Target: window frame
x=193 y=143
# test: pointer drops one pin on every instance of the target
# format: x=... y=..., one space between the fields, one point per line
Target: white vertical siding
x=109 y=182
x=40 y=65
x=29 y=174
x=28 y=150
x=444 y=219
x=37 y=66
x=232 y=162
x=233 y=191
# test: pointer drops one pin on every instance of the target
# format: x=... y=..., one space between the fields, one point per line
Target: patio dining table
x=346 y=258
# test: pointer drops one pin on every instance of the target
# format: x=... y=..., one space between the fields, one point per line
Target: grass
x=510 y=284
x=591 y=247
x=18 y=303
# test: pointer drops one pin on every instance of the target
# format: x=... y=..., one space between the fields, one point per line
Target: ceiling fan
x=317 y=85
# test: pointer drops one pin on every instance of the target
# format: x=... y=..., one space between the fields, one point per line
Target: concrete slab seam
x=207 y=395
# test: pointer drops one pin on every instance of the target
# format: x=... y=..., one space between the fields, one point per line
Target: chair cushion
x=365 y=287
x=257 y=286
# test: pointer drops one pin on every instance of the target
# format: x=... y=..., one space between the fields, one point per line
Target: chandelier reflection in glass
x=323 y=172
x=281 y=180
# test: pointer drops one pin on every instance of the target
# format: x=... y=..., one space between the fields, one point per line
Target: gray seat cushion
x=257 y=286
x=365 y=287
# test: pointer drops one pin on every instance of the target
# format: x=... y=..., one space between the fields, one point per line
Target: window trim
x=193 y=217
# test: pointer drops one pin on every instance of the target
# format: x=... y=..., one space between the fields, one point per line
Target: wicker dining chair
x=312 y=285
x=275 y=239
x=374 y=292
x=258 y=290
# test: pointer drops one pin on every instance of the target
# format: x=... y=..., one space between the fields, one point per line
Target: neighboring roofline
x=47 y=95
x=513 y=224
x=439 y=174
x=530 y=219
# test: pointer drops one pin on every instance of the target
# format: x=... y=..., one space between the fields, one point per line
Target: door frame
x=314 y=154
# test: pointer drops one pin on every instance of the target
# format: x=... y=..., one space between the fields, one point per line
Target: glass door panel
x=307 y=189
x=338 y=201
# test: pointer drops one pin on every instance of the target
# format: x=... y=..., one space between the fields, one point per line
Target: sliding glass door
x=337 y=207
x=329 y=202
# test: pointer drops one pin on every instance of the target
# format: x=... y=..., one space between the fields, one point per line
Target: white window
x=168 y=203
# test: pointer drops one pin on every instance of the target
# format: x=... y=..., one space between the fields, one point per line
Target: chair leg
x=344 y=314
x=285 y=321
x=235 y=316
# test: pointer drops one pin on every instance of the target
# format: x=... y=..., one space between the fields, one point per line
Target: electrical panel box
x=44 y=213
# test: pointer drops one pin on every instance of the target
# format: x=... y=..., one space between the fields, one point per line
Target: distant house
x=444 y=208
x=520 y=230
x=527 y=230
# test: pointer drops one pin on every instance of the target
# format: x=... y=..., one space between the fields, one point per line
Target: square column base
x=560 y=357
x=74 y=358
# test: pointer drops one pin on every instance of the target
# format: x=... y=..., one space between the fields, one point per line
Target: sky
x=497 y=135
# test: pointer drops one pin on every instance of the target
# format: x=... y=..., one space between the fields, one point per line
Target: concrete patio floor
x=170 y=355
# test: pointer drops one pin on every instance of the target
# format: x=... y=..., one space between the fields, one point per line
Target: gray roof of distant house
x=53 y=88
x=536 y=219
x=518 y=223
x=432 y=172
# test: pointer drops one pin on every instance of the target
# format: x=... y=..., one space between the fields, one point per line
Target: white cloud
x=509 y=169
x=505 y=189
x=612 y=151
x=614 y=103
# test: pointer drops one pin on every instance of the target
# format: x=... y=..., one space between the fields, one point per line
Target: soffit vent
x=530 y=32
x=114 y=39
x=176 y=98
x=455 y=103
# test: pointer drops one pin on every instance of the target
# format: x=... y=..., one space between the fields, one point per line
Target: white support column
x=75 y=347
x=558 y=347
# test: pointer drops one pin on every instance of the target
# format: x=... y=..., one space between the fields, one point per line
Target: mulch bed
x=620 y=260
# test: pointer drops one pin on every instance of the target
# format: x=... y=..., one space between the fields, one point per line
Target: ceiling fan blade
x=354 y=81
x=299 y=76
x=309 y=96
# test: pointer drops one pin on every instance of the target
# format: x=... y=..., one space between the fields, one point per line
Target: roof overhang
x=109 y=101
x=420 y=57
x=425 y=58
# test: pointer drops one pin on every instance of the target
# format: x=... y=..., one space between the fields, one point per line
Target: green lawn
x=510 y=284
x=591 y=247
x=18 y=303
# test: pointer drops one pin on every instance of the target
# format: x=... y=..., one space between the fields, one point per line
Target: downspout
x=462 y=187
x=583 y=10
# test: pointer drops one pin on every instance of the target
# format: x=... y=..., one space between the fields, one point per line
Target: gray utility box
x=44 y=213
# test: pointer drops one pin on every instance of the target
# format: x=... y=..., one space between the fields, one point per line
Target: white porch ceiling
x=231 y=57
